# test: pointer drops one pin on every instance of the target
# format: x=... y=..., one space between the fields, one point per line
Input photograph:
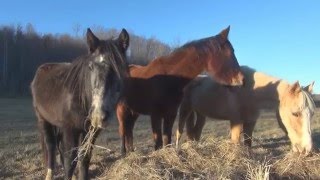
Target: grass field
x=21 y=157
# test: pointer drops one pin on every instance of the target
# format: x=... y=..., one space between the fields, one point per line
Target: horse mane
x=76 y=77
x=115 y=54
x=204 y=46
x=249 y=72
x=247 y=69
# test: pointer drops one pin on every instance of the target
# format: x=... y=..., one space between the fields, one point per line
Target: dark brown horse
x=69 y=97
x=156 y=89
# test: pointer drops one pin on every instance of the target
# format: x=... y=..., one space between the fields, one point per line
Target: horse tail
x=185 y=115
x=43 y=147
x=41 y=134
x=58 y=135
x=199 y=124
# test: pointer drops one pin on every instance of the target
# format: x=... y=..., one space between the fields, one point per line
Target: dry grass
x=213 y=158
x=208 y=159
x=300 y=167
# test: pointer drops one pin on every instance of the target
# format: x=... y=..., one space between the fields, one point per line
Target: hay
x=208 y=159
x=298 y=167
x=86 y=145
x=212 y=159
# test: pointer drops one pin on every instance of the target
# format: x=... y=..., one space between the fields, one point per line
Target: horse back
x=50 y=98
x=212 y=99
x=158 y=93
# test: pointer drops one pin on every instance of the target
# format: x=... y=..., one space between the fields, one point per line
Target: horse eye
x=296 y=114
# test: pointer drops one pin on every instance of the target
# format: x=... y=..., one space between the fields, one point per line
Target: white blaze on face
x=97 y=114
x=306 y=140
x=100 y=58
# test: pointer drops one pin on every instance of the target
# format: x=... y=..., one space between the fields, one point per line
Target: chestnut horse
x=241 y=106
x=156 y=89
x=68 y=98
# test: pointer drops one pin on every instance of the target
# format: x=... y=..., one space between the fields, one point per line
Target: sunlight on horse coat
x=241 y=106
x=156 y=89
x=70 y=97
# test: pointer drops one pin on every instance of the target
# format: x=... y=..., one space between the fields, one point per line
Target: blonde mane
x=255 y=79
x=308 y=100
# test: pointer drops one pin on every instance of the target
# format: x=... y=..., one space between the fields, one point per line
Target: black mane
x=75 y=79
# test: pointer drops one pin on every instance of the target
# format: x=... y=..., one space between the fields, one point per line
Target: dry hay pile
x=298 y=167
x=212 y=159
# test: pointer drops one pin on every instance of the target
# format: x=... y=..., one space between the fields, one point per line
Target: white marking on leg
x=49 y=175
x=178 y=136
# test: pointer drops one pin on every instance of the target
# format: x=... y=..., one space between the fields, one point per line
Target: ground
x=21 y=156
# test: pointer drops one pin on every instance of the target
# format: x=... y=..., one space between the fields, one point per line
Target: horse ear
x=92 y=41
x=224 y=33
x=295 y=88
x=124 y=39
x=309 y=88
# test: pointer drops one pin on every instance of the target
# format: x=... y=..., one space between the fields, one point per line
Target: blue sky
x=279 y=37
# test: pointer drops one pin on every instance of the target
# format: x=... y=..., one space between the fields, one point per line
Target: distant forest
x=22 y=50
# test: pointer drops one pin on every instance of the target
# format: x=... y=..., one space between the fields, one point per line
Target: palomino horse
x=156 y=89
x=241 y=106
x=69 y=97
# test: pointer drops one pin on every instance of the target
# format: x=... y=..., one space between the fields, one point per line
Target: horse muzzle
x=302 y=149
x=99 y=120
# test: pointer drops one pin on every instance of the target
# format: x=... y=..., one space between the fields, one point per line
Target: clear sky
x=279 y=37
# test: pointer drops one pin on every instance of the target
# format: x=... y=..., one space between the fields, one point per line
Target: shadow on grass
x=316 y=140
x=273 y=142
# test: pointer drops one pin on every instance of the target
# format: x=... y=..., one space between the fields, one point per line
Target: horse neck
x=184 y=63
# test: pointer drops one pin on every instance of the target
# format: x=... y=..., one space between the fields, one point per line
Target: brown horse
x=241 y=106
x=68 y=98
x=156 y=89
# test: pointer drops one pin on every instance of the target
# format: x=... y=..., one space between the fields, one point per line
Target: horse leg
x=85 y=162
x=126 y=119
x=121 y=114
x=248 y=128
x=156 y=130
x=48 y=145
x=236 y=128
x=69 y=144
x=129 y=125
x=201 y=120
x=167 y=128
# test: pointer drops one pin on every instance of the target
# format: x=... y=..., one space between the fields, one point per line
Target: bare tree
x=22 y=50
x=76 y=29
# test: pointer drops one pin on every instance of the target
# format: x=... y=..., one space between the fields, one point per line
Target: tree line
x=23 y=49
